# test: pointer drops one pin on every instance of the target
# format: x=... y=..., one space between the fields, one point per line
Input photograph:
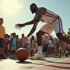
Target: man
x=2 y=33
x=52 y=20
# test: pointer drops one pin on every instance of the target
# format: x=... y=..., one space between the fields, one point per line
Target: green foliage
x=68 y=35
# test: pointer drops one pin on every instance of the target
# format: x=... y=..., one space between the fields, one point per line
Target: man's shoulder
x=41 y=8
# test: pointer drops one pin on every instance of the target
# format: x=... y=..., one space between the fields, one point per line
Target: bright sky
x=18 y=11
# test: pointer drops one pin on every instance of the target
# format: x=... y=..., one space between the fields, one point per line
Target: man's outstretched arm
x=24 y=24
x=33 y=28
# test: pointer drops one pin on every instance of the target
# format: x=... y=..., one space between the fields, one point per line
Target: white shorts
x=56 y=26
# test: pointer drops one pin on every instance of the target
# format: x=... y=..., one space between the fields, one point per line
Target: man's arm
x=22 y=25
x=33 y=28
x=28 y=23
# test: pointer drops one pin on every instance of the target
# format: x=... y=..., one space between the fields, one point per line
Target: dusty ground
x=48 y=64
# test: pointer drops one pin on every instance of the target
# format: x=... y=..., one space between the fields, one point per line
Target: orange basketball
x=22 y=54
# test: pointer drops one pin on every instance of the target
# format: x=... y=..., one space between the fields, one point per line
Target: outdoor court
x=49 y=63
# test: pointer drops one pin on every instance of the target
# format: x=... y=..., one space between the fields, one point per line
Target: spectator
x=32 y=45
x=13 y=44
x=6 y=45
x=2 y=33
x=24 y=42
x=17 y=42
x=50 y=45
x=44 y=44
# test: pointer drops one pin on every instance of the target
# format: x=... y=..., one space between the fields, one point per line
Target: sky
x=18 y=11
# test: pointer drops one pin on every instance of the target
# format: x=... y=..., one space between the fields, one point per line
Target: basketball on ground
x=22 y=54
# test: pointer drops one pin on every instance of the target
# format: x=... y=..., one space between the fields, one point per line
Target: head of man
x=33 y=8
x=1 y=21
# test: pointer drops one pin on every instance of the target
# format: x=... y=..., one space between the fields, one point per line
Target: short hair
x=1 y=18
x=22 y=35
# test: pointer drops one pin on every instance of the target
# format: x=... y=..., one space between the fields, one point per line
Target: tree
x=68 y=35
x=69 y=32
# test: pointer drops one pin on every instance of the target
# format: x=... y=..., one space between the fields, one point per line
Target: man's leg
x=63 y=38
x=59 y=30
x=39 y=37
x=2 y=48
x=39 y=54
x=46 y=29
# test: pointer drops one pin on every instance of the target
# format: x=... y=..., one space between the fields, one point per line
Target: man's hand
x=19 y=25
x=24 y=24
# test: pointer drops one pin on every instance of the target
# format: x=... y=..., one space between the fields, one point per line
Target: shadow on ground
x=24 y=62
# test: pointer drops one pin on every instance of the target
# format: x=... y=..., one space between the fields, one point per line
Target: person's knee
x=59 y=35
x=40 y=33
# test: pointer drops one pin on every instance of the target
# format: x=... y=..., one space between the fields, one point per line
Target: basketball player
x=52 y=20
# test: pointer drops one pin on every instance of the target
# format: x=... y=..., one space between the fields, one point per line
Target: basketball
x=22 y=54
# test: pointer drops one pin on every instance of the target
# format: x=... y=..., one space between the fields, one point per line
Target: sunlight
x=10 y=7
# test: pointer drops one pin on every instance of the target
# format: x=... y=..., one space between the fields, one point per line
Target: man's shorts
x=1 y=42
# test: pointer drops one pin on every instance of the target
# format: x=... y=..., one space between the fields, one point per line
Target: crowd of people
x=10 y=43
x=13 y=42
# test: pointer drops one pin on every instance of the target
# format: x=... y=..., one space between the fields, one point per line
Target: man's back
x=43 y=15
